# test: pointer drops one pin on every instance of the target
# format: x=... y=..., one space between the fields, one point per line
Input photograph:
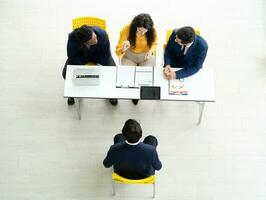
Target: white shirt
x=133 y=143
x=187 y=47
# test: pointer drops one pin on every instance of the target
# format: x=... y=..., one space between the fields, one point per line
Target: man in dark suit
x=88 y=45
x=130 y=157
x=184 y=50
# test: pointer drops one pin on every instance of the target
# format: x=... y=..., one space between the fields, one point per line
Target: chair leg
x=153 y=195
x=113 y=186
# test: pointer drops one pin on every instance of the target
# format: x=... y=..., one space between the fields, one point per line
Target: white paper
x=144 y=76
x=125 y=76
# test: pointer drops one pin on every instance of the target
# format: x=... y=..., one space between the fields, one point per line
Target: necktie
x=182 y=55
x=183 y=50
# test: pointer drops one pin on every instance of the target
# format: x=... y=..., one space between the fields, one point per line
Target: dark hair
x=142 y=20
x=132 y=131
x=185 y=34
x=83 y=33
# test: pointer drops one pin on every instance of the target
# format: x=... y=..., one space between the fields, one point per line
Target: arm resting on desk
x=194 y=68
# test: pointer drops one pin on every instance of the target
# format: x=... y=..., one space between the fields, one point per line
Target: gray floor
x=47 y=154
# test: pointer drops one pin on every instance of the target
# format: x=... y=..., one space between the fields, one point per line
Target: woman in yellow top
x=137 y=43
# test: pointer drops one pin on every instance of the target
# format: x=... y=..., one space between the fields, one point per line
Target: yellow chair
x=119 y=179
x=91 y=21
x=169 y=32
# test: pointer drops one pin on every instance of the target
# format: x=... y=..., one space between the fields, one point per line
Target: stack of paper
x=125 y=76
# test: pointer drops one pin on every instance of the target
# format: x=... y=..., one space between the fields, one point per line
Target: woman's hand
x=148 y=55
x=125 y=46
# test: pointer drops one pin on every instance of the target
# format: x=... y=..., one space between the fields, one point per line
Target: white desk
x=200 y=88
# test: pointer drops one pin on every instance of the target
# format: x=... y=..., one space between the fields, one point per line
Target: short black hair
x=83 y=33
x=132 y=131
x=185 y=34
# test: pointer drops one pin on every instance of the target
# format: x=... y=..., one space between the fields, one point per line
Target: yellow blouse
x=141 y=42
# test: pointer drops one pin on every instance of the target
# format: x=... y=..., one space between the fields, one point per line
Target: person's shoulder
x=99 y=31
x=201 y=41
x=117 y=147
x=72 y=38
x=101 y=35
x=172 y=35
x=125 y=29
x=147 y=147
x=72 y=34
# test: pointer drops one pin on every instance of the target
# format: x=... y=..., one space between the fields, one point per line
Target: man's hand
x=169 y=73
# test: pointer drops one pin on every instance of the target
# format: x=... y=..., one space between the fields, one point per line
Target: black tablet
x=150 y=92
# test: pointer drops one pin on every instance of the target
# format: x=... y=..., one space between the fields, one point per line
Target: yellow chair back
x=91 y=21
x=169 y=32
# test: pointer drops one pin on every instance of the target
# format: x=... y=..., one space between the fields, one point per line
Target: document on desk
x=125 y=76
x=134 y=76
x=144 y=76
x=178 y=87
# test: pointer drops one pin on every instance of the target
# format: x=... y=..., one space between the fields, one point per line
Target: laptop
x=86 y=76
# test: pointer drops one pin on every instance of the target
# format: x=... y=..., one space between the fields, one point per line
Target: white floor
x=47 y=154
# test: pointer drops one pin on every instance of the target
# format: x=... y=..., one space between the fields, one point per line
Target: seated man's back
x=133 y=161
x=131 y=158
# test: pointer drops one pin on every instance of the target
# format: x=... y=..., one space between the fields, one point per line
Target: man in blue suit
x=130 y=157
x=184 y=50
x=88 y=45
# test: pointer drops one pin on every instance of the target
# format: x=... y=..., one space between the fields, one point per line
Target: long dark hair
x=142 y=20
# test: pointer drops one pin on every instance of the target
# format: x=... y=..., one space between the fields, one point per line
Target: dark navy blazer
x=80 y=55
x=193 y=60
x=133 y=161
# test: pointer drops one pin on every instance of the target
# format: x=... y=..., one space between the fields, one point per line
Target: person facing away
x=130 y=157
x=88 y=45
x=137 y=43
x=184 y=50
